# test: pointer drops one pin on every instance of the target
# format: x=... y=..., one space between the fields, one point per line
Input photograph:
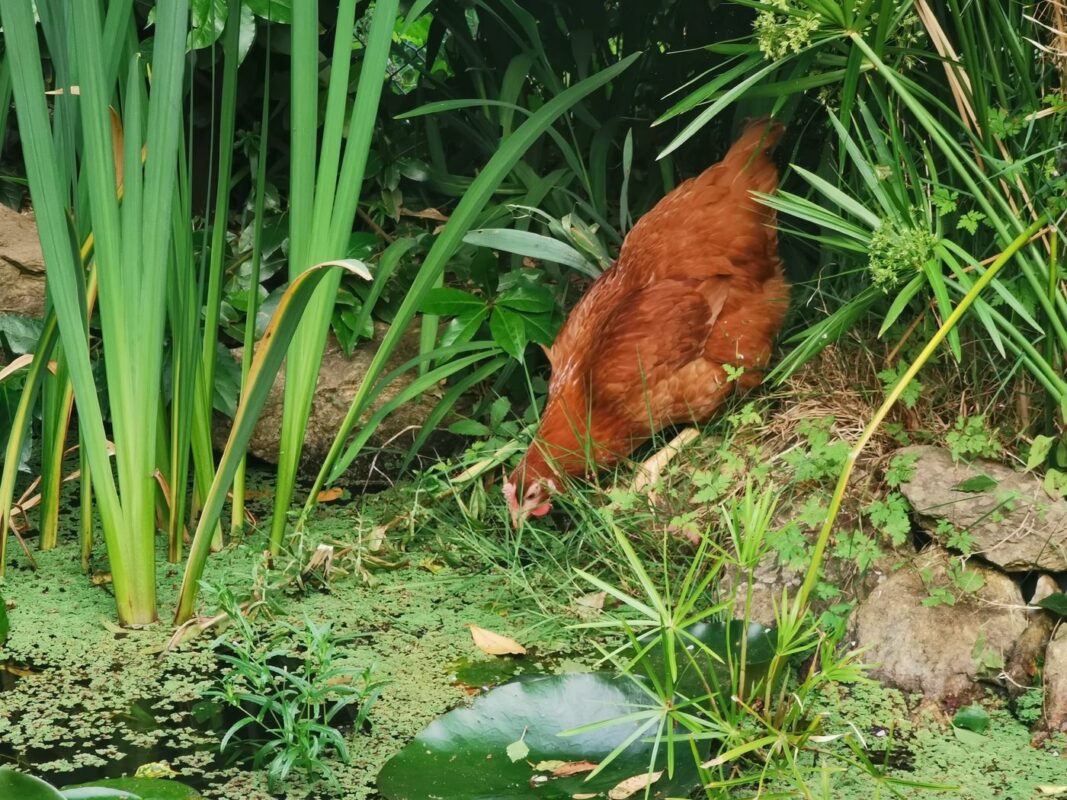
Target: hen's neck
x=575 y=441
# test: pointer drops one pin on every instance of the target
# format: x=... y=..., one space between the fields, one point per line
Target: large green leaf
x=5 y=626
x=137 y=788
x=265 y=365
x=714 y=652
x=274 y=10
x=25 y=787
x=452 y=302
x=472 y=753
x=534 y=245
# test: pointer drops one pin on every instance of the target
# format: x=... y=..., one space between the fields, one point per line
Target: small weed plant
x=293 y=692
x=725 y=688
x=971 y=437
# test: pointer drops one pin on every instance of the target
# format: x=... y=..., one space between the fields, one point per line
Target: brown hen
x=698 y=285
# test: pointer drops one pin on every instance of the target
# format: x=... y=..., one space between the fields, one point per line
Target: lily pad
x=25 y=787
x=4 y=625
x=464 y=754
x=137 y=788
x=703 y=671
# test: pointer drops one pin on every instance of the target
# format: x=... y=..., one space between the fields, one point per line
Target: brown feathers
x=698 y=285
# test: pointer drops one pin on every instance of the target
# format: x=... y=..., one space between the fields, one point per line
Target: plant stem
x=953 y=319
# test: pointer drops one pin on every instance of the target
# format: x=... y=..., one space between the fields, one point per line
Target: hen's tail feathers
x=758 y=137
x=747 y=161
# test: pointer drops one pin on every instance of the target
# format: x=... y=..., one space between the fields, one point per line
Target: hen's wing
x=649 y=368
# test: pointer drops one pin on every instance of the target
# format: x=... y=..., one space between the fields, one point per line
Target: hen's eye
x=531 y=493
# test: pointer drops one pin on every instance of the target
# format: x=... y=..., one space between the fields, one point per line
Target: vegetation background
x=209 y=174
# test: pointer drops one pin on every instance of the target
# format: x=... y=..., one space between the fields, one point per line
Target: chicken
x=697 y=287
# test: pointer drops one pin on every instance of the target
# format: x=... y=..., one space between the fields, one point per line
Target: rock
x=769 y=579
x=1022 y=666
x=1046 y=586
x=1056 y=682
x=939 y=650
x=21 y=265
x=1014 y=525
x=339 y=380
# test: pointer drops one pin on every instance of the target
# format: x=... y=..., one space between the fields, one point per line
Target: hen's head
x=528 y=490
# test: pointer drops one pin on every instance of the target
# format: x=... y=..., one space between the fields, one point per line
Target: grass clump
x=292 y=689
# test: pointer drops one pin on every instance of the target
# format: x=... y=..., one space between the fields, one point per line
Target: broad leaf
x=526 y=298
x=533 y=245
x=25 y=787
x=1039 y=450
x=509 y=332
x=451 y=302
x=274 y=10
x=139 y=788
x=705 y=668
x=972 y=718
x=976 y=483
x=540 y=328
x=1056 y=603
x=1056 y=484
x=208 y=22
x=469 y=427
x=462 y=329
x=20 y=332
x=464 y=755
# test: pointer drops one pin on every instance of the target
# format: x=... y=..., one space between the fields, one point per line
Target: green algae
x=92 y=701
x=100 y=702
x=999 y=764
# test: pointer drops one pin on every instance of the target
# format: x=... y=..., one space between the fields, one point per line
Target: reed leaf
x=322 y=211
x=459 y=224
x=270 y=353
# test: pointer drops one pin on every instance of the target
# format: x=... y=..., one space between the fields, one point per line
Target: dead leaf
x=74 y=90
x=22 y=361
x=426 y=213
x=573 y=768
x=548 y=766
x=100 y=578
x=431 y=566
x=321 y=561
x=112 y=628
x=331 y=494
x=494 y=644
x=590 y=605
x=585 y=796
x=377 y=538
x=16 y=670
x=593 y=600
x=1052 y=791
x=632 y=786
x=517 y=751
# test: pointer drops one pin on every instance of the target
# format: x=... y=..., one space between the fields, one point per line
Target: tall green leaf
x=322 y=212
x=458 y=225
